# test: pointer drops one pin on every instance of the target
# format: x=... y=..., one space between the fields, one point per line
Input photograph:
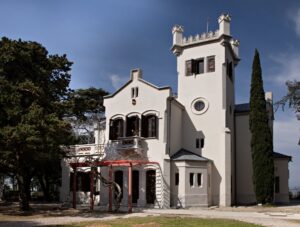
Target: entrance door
x=150 y=186
x=119 y=181
x=135 y=186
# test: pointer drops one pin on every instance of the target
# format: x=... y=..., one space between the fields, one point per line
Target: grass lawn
x=161 y=221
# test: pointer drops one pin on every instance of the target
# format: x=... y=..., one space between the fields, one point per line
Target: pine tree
x=261 y=140
x=33 y=85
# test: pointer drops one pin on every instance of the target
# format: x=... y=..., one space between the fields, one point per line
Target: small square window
x=211 y=64
x=191 y=179
x=194 y=66
x=176 y=179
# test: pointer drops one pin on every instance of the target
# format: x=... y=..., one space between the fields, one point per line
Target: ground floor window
x=150 y=186
x=135 y=185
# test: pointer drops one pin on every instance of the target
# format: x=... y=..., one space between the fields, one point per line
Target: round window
x=199 y=105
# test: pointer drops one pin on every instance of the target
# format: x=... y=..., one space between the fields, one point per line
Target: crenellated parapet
x=200 y=37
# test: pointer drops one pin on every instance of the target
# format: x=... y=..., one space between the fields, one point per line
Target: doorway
x=150 y=186
x=119 y=181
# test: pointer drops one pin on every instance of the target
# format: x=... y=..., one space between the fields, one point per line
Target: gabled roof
x=242 y=108
x=139 y=79
x=281 y=156
x=185 y=155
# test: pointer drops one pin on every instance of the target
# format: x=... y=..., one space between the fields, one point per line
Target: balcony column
x=74 y=186
x=130 y=188
x=92 y=189
x=142 y=187
x=110 y=189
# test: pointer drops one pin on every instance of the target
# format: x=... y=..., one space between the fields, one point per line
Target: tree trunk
x=44 y=187
x=23 y=192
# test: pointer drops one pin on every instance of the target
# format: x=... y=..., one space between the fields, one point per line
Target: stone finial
x=269 y=96
x=235 y=46
x=177 y=29
x=224 y=16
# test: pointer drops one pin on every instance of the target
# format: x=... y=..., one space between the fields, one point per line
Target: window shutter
x=188 y=67
x=154 y=128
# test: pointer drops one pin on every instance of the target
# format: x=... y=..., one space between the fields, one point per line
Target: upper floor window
x=229 y=69
x=133 y=126
x=134 y=92
x=149 y=126
x=116 y=127
x=211 y=64
x=194 y=66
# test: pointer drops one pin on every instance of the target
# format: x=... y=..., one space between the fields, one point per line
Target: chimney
x=224 y=24
x=136 y=73
x=177 y=34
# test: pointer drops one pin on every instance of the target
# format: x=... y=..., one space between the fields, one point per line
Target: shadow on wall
x=190 y=137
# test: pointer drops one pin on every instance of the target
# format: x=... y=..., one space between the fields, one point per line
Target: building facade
x=188 y=150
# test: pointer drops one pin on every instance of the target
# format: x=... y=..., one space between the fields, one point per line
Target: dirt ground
x=54 y=214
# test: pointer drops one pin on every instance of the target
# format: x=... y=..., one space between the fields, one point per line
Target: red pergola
x=110 y=164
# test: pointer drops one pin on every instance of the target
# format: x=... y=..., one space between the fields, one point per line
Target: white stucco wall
x=212 y=124
x=282 y=171
x=244 y=184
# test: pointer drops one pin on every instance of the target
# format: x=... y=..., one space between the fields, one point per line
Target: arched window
x=116 y=128
x=133 y=126
x=149 y=126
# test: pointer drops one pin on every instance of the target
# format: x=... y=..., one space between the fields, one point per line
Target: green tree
x=261 y=140
x=33 y=88
x=86 y=106
x=292 y=99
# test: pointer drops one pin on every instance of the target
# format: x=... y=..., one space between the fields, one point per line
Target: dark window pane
x=132 y=126
x=199 y=179
x=176 y=179
x=191 y=179
x=202 y=143
x=197 y=143
x=200 y=66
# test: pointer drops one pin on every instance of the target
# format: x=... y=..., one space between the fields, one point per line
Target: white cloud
x=286 y=137
x=117 y=81
x=295 y=17
x=287 y=67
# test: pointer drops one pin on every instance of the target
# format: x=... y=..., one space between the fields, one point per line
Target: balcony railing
x=130 y=143
x=86 y=149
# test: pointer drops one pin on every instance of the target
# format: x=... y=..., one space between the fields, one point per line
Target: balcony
x=130 y=143
x=87 y=149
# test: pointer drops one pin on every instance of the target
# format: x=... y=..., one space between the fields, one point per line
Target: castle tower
x=206 y=74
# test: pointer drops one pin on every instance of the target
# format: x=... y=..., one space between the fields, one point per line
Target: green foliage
x=33 y=88
x=261 y=140
x=86 y=108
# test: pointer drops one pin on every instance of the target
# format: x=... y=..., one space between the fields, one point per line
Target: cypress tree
x=261 y=140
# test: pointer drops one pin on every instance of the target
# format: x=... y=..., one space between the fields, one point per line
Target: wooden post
x=74 y=186
x=130 y=188
x=92 y=189
x=110 y=189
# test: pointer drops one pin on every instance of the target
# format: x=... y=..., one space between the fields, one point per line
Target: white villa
x=164 y=151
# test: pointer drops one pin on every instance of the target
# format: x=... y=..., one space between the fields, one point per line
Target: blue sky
x=107 y=38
